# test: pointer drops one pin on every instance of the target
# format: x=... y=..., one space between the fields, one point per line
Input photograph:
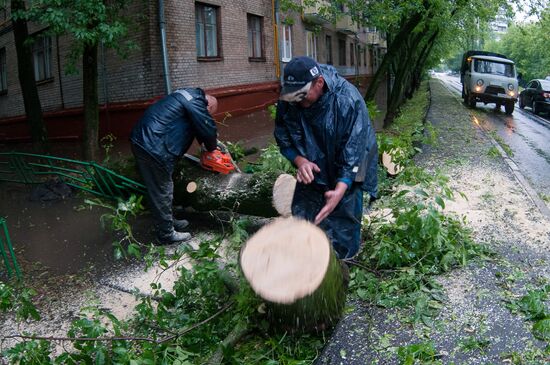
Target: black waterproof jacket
x=335 y=133
x=169 y=126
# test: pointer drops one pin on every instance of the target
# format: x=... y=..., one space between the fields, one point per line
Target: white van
x=489 y=78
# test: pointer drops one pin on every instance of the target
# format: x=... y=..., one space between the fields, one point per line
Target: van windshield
x=492 y=67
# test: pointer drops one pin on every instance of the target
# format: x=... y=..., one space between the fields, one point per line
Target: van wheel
x=509 y=108
x=520 y=102
x=471 y=101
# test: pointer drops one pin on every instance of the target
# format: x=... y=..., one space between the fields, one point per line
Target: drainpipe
x=59 y=73
x=277 y=50
x=166 y=69
x=105 y=87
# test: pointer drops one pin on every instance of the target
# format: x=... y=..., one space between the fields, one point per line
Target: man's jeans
x=160 y=189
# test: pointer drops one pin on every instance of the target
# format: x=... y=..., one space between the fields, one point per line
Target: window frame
x=218 y=56
x=284 y=57
x=313 y=37
x=46 y=61
x=261 y=57
x=328 y=49
x=3 y=71
x=342 y=61
x=3 y=11
x=352 y=54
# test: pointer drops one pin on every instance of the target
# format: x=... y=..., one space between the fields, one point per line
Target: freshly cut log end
x=283 y=193
x=387 y=160
x=191 y=187
x=286 y=260
x=291 y=265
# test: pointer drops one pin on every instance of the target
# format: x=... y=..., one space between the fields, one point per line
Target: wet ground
x=526 y=135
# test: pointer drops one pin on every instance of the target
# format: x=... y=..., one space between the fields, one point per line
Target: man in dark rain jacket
x=159 y=139
x=323 y=127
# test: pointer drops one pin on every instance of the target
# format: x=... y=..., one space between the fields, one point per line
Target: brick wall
x=139 y=76
x=234 y=68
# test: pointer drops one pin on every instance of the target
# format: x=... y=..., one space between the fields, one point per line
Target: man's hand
x=332 y=197
x=306 y=169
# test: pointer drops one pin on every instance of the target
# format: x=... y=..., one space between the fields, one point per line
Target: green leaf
x=133 y=250
x=343 y=354
x=541 y=329
x=440 y=201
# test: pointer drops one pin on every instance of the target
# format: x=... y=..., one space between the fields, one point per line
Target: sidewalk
x=474 y=326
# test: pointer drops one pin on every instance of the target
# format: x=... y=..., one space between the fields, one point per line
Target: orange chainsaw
x=219 y=160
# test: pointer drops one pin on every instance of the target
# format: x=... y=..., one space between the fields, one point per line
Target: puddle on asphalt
x=54 y=234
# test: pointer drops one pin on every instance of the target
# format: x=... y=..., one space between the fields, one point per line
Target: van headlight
x=510 y=87
x=479 y=82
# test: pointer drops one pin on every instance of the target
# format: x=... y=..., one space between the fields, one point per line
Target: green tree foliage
x=89 y=24
x=527 y=45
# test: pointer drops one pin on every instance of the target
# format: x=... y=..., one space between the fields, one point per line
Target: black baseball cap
x=298 y=74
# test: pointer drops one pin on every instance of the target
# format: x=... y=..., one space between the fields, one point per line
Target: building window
x=311 y=46
x=207 y=31
x=255 y=37
x=3 y=71
x=328 y=48
x=351 y=54
x=3 y=11
x=365 y=57
x=359 y=56
x=287 y=43
x=341 y=52
x=42 y=57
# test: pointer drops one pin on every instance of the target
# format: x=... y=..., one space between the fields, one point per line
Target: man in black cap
x=323 y=128
x=159 y=139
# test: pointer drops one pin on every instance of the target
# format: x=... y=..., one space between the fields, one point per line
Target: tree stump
x=291 y=265
x=388 y=161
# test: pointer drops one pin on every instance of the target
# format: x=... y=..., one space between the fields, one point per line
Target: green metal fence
x=28 y=168
x=31 y=168
x=6 y=250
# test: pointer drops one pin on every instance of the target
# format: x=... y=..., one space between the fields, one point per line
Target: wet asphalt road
x=527 y=135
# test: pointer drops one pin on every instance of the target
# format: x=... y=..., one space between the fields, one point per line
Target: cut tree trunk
x=291 y=265
x=91 y=103
x=243 y=193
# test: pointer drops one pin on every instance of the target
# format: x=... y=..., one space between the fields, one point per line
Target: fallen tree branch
x=123 y=338
x=231 y=340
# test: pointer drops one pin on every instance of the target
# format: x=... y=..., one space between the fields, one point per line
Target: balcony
x=313 y=15
x=346 y=26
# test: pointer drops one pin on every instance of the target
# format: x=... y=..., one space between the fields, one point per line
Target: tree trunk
x=91 y=103
x=204 y=190
x=393 y=48
x=25 y=71
x=291 y=265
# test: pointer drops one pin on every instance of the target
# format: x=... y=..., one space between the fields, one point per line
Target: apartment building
x=234 y=49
